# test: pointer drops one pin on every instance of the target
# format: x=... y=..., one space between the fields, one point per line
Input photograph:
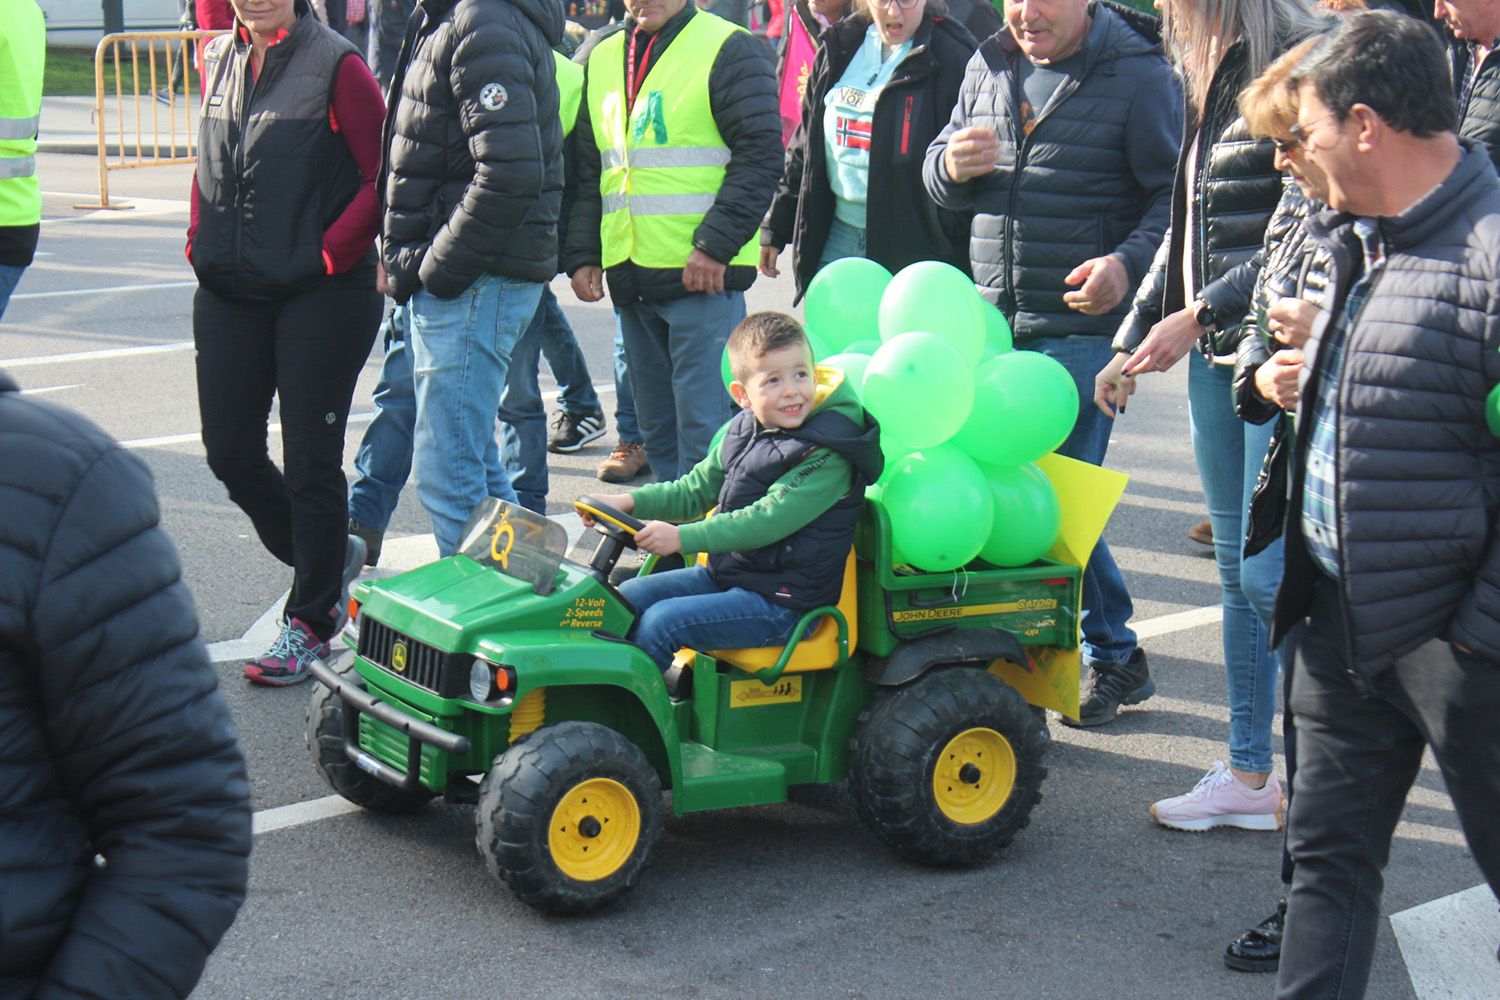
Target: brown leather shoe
x=627 y=461
x=1202 y=533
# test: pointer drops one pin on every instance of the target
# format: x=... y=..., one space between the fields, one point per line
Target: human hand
x=1291 y=321
x=1276 y=379
x=702 y=273
x=659 y=538
x=1112 y=387
x=768 y=257
x=382 y=280
x=1103 y=282
x=588 y=283
x=1166 y=343
x=971 y=153
x=622 y=502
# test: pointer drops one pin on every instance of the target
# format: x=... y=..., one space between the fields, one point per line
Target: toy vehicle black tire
x=325 y=741
x=519 y=804
x=895 y=754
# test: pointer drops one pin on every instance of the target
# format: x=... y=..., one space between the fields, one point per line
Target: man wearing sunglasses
x=1391 y=560
x=1063 y=146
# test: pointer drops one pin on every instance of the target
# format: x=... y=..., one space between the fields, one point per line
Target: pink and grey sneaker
x=1221 y=799
x=289 y=660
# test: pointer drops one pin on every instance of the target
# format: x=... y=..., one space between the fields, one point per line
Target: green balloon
x=997 y=338
x=1492 y=411
x=941 y=508
x=843 y=301
x=863 y=346
x=1027 y=517
x=938 y=297
x=852 y=365
x=919 y=389
x=724 y=368
x=819 y=348
x=1025 y=405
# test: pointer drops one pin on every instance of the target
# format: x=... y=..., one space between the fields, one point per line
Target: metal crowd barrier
x=142 y=131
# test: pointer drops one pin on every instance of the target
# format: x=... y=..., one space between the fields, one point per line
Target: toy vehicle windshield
x=515 y=541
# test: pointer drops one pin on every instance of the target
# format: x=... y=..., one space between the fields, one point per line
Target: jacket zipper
x=1022 y=141
x=246 y=100
x=906 y=125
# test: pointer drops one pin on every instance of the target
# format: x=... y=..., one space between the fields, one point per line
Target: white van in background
x=80 y=23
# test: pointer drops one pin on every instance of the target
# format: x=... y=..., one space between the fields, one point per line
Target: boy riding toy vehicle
x=501 y=676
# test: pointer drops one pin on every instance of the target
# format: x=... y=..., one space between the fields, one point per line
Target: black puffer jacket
x=472 y=178
x=746 y=110
x=114 y=739
x=1238 y=187
x=903 y=225
x=1418 y=469
x=1478 y=97
x=1092 y=177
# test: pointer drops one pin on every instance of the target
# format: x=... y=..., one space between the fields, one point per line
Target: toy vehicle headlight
x=488 y=681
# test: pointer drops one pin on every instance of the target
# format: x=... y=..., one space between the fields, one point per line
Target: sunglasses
x=1300 y=133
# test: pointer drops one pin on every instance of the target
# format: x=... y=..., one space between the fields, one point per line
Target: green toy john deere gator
x=501 y=676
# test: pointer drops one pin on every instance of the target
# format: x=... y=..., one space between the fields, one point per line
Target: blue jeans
x=843 y=241
x=1107 y=640
x=675 y=349
x=461 y=351
x=523 y=416
x=685 y=607
x=384 y=458
x=1229 y=453
x=625 y=422
x=9 y=277
x=575 y=387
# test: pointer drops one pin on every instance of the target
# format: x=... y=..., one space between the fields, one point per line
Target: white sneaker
x=1221 y=799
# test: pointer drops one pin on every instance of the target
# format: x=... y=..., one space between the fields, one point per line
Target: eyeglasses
x=1300 y=133
x=903 y=4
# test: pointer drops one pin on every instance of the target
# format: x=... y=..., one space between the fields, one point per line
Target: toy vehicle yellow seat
x=828 y=646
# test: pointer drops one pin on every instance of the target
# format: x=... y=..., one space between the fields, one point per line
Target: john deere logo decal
x=398 y=657
x=751 y=694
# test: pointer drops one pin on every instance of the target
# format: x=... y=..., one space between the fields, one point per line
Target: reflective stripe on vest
x=12 y=167
x=663 y=165
x=20 y=128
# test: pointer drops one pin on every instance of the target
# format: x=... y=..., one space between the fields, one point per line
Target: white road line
x=150 y=287
x=1449 y=946
x=46 y=389
x=100 y=355
x=300 y=814
x=420 y=547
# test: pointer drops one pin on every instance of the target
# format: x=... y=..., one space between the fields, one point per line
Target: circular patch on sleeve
x=493 y=96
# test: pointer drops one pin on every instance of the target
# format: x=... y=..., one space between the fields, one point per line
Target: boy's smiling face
x=779 y=387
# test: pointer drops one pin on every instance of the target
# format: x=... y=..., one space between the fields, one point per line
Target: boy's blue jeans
x=685 y=607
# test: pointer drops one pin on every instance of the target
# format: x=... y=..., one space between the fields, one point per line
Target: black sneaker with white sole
x=1105 y=689
x=570 y=432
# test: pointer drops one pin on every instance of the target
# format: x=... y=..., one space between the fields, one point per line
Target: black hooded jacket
x=904 y=226
x=124 y=805
x=472 y=177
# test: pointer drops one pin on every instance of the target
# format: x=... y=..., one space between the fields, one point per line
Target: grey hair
x=1199 y=32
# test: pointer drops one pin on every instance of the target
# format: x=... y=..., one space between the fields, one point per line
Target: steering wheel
x=616 y=529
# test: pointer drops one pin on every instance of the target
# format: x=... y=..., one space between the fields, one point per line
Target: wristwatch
x=1204 y=315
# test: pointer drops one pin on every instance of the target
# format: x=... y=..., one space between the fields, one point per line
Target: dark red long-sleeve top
x=357 y=113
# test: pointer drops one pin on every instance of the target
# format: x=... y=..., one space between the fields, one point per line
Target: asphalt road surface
x=790 y=901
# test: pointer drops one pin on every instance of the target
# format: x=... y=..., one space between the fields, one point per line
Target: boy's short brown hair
x=757 y=335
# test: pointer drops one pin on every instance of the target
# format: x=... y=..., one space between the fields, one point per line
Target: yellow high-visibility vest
x=569 y=91
x=663 y=164
x=23 y=54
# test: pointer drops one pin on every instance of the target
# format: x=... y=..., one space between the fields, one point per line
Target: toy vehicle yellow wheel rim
x=594 y=829
x=974 y=776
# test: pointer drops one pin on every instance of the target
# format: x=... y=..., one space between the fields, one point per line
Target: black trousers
x=307 y=352
x=1359 y=746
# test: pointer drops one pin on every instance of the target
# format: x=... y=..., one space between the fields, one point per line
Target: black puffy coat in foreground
x=472 y=176
x=124 y=805
x=903 y=224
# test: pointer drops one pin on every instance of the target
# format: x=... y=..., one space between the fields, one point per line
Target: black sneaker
x=1105 y=689
x=570 y=433
x=1259 y=948
x=371 y=538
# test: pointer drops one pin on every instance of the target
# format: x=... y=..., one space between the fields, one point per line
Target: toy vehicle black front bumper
x=356 y=700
